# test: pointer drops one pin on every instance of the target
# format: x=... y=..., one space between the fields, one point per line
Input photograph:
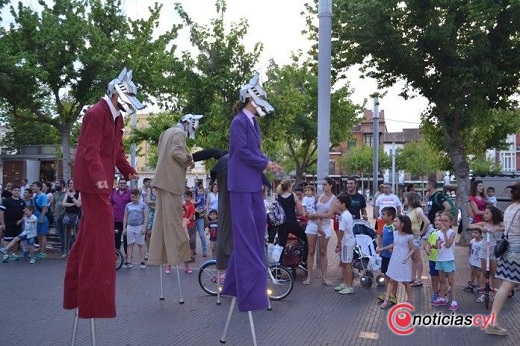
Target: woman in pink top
x=477 y=201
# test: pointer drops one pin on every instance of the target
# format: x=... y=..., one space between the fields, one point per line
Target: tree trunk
x=461 y=166
x=65 y=147
x=299 y=175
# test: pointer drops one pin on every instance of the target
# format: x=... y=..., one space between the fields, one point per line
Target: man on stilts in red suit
x=90 y=276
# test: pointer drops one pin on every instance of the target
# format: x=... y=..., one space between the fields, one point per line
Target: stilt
x=74 y=329
x=231 y=307
x=161 y=282
x=252 y=325
x=218 y=287
x=93 y=332
x=230 y=313
x=181 y=300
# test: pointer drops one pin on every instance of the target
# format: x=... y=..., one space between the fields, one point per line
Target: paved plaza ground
x=31 y=313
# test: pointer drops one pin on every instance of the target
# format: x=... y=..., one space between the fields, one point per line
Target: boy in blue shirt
x=385 y=238
x=134 y=226
x=29 y=232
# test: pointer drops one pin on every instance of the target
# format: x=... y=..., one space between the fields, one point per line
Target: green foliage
x=462 y=56
x=55 y=62
x=360 y=159
x=212 y=76
x=293 y=90
x=480 y=165
x=419 y=158
x=28 y=131
x=157 y=124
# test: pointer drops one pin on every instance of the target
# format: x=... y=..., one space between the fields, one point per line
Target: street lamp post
x=324 y=58
x=375 y=164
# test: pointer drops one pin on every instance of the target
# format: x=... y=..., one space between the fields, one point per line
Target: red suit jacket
x=100 y=149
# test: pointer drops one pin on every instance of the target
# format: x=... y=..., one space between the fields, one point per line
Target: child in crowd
x=212 y=231
x=134 y=227
x=345 y=245
x=30 y=222
x=446 y=261
x=190 y=215
x=309 y=205
x=491 y=198
x=430 y=247
x=494 y=226
x=385 y=237
x=400 y=266
x=474 y=260
x=185 y=223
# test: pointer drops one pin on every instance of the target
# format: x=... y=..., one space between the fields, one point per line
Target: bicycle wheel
x=279 y=282
x=209 y=276
x=119 y=259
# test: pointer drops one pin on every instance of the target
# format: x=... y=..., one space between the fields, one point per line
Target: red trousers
x=90 y=277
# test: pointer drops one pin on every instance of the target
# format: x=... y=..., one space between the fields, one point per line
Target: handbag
x=70 y=219
x=503 y=244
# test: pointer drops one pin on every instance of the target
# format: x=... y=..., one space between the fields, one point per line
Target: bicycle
x=279 y=279
x=119 y=259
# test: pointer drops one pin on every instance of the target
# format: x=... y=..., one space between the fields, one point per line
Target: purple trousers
x=246 y=275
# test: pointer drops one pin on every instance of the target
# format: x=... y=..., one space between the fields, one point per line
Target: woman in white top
x=324 y=212
x=212 y=200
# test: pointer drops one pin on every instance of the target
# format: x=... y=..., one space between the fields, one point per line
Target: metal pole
x=324 y=57
x=133 y=148
x=375 y=164
x=393 y=168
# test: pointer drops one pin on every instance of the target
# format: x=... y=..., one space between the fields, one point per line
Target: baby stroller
x=365 y=257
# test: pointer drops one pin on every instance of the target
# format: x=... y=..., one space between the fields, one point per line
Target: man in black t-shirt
x=358 y=205
x=11 y=214
x=436 y=201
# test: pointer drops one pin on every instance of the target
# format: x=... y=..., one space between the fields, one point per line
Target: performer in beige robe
x=169 y=243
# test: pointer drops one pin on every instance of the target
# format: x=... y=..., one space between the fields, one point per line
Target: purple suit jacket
x=246 y=160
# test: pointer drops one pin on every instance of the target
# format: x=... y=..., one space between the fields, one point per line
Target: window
x=368 y=139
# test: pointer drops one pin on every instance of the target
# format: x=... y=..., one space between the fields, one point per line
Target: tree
x=212 y=76
x=463 y=56
x=27 y=131
x=293 y=89
x=55 y=62
x=360 y=159
x=419 y=158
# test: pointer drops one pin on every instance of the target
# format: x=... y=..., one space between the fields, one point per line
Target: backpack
x=276 y=213
x=453 y=209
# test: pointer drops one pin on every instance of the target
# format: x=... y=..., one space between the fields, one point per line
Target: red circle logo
x=399 y=319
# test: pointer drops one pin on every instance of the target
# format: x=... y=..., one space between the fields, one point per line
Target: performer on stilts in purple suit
x=246 y=275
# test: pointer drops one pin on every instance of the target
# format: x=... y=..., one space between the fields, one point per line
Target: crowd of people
x=426 y=226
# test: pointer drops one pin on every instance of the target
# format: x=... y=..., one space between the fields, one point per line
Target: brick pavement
x=31 y=313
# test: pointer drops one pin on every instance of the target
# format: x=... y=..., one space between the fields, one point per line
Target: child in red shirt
x=190 y=215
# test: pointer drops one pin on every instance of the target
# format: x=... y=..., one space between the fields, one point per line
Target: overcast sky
x=277 y=24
